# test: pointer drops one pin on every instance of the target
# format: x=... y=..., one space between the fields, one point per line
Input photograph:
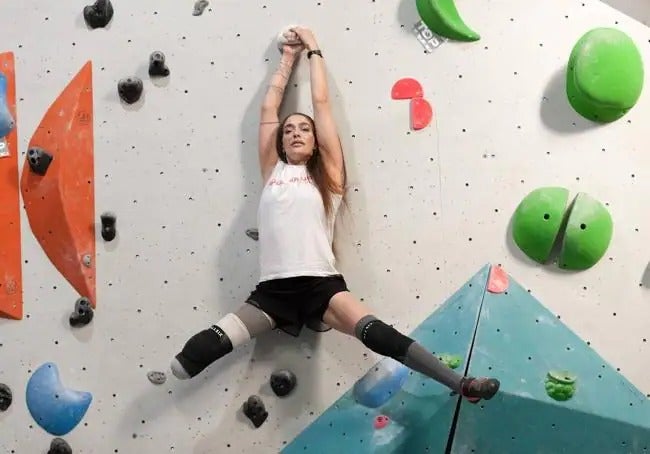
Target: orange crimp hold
x=60 y=205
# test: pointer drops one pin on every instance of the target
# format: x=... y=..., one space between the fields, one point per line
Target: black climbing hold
x=157 y=66
x=108 y=226
x=255 y=411
x=199 y=7
x=99 y=14
x=83 y=312
x=5 y=397
x=39 y=160
x=59 y=446
x=253 y=234
x=130 y=89
x=283 y=382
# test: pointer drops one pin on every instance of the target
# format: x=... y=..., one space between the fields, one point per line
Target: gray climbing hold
x=157 y=378
x=255 y=411
x=83 y=313
x=5 y=397
x=157 y=66
x=199 y=7
x=253 y=234
x=59 y=446
x=39 y=160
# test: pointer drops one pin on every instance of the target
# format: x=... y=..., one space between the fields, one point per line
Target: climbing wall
x=431 y=200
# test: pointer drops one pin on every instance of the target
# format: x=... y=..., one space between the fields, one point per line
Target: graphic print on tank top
x=295 y=237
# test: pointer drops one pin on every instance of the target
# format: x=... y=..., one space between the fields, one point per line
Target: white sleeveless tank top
x=295 y=237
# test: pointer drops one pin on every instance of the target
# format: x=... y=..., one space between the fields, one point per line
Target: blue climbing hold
x=380 y=383
x=56 y=409
x=7 y=122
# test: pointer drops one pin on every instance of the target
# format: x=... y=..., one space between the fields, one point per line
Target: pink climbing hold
x=421 y=113
x=498 y=280
x=407 y=88
x=381 y=421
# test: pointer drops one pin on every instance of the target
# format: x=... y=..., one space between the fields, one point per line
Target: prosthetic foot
x=200 y=351
x=475 y=389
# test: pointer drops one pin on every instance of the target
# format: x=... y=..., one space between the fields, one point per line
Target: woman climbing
x=304 y=176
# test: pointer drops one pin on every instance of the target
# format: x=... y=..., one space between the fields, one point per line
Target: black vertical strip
x=452 y=431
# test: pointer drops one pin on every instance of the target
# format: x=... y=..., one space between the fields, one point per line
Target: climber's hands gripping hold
x=292 y=45
x=306 y=37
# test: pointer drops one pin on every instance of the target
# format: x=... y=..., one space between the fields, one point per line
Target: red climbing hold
x=421 y=113
x=407 y=88
x=498 y=280
x=381 y=421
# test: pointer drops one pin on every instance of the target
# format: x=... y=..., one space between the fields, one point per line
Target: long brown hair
x=315 y=166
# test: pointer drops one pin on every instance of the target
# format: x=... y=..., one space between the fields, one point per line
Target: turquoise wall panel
x=519 y=341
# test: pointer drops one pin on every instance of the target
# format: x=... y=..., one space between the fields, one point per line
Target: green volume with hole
x=542 y=216
x=537 y=221
x=587 y=235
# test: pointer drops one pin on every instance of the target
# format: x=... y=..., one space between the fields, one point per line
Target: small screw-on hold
x=255 y=411
x=83 y=313
x=283 y=382
x=39 y=160
x=253 y=234
x=130 y=89
x=59 y=446
x=87 y=261
x=199 y=7
x=99 y=14
x=157 y=66
x=108 y=225
x=6 y=397
x=157 y=378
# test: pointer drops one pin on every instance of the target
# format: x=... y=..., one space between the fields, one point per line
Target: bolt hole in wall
x=183 y=227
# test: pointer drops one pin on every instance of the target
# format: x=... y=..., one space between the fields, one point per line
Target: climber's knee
x=382 y=338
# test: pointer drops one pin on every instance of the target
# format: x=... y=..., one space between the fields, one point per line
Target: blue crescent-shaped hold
x=56 y=409
x=380 y=383
x=7 y=122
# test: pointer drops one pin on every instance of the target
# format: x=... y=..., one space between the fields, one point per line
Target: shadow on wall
x=645 y=279
x=556 y=112
x=407 y=15
x=639 y=10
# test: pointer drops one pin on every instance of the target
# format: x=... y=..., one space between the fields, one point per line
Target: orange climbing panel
x=11 y=287
x=60 y=205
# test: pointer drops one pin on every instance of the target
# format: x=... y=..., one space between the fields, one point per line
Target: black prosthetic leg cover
x=203 y=349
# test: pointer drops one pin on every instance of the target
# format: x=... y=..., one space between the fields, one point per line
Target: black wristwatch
x=315 y=51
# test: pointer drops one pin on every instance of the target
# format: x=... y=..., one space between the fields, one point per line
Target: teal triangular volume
x=421 y=411
x=520 y=342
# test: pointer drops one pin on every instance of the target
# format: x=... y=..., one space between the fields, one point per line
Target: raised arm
x=326 y=130
x=269 y=117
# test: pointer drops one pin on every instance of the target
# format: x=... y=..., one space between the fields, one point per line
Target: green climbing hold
x=562 y=376
x=560 y=385
x=588 y=234
x=537 y=220
x=442 y=17
x=451 y=361
x=604 y=75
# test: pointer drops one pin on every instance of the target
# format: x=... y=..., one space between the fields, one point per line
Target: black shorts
x=297 y=301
